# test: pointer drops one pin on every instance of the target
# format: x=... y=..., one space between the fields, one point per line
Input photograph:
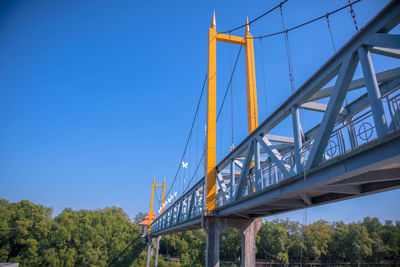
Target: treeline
x=31 y=236
x=287 y=242
x=107 y=237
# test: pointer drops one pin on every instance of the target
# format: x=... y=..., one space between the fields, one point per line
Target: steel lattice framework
x=353 y=151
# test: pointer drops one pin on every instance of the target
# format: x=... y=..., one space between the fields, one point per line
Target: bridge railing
x=348 y=135
x=188 y=207
x=263 y=160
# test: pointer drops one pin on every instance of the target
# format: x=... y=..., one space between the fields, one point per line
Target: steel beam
x=384 y=40
x=245 y=171
x=343 y=189
x=335 y=103
x=389 y=52
x=280 y=139
x=275 y=156
x=381 y=77
x=374 y=94
x=298 y=140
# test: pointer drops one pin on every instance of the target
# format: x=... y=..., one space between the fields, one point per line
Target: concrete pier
x=248 y=228
x=157 y=250
x=149 y=253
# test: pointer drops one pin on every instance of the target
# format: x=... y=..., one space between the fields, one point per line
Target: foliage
x=29 y=235
x=106 y=237
x=230 y=244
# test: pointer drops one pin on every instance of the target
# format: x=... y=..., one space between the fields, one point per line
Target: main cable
x=308 y=22
x=259 y=17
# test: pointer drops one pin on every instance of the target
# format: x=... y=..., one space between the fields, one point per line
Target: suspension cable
x=288 y=52
x=219 y=113
x=330 y=32
x=308 y=22
x=254 y=20
x=230 y=69
x=353 y=15
x=190 y=134
x=195 y=171
x=333 y=43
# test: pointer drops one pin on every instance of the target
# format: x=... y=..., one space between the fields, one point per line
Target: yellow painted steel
x=231 y=39
x=151 y=202
x=211 y=117
x=252 y=109
x=151 y=205
x=163 y=196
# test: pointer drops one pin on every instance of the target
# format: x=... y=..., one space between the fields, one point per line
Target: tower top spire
x=213 y=23
x=247 y=25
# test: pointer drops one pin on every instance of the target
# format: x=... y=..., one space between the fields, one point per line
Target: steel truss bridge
x=353 y=151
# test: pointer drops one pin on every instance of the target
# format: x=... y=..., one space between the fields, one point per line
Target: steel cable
x=259 y=17
x=308 y=22
x=190 y=134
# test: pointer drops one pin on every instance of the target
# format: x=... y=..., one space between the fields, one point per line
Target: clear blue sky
x=97 y=96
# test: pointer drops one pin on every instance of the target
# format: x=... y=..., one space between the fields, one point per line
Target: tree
x=24 y=226
x=374 y=228
x=390 y=236
x=273 y=241
x=317 y=237
x=230 y=244
x=139 y=217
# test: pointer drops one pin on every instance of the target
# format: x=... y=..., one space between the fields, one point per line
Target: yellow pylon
x=252 y=110
x=151 y=202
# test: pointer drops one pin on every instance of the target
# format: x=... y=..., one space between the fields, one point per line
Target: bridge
x=353 y=151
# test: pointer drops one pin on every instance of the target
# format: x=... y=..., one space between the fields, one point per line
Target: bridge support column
x=213 y=228
x=248 y=229
x=157 y=250
x=149 y=253
x=249 y=232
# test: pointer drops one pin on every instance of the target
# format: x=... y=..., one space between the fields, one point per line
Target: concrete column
x=249 y=232
x=213 y=229
x=248 y=228
x=149 y=253
x=157 y=249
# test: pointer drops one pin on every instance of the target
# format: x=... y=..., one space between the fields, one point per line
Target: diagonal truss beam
x=275 y=156
x=222 y=185
x=381 y=77
x=374 y=94
x=343 y=81
x=245 y=171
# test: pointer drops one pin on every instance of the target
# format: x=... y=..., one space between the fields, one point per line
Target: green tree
x=273 y=241
x=317 y=237
x=390 y=236
x=24 y=226
x=230 y=244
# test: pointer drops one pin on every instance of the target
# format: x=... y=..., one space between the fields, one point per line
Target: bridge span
x=353 y=151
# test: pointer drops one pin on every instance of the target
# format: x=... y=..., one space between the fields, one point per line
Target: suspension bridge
x=354 y=150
